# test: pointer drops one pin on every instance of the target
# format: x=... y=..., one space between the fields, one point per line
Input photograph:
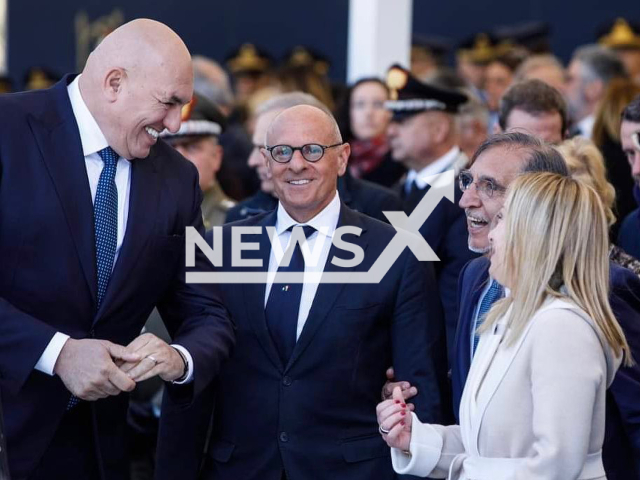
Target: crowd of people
x=501 y=342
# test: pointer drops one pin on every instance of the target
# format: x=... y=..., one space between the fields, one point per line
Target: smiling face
x=305 y=188
x=499 y=165
x=144 y=103
x=369 y=118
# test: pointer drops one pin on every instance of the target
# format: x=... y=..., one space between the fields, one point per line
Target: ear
x=265 y=155
x=343 y=159
x=114 y=83
x=217 y=159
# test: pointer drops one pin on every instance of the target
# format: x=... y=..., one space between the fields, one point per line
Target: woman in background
x=533 y=406
x=363 y=122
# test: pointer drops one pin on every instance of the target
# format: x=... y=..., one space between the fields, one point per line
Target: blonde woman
x=533 y=406
x=585 y=163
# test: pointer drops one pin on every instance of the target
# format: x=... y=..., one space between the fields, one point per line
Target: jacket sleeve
x=419 y=354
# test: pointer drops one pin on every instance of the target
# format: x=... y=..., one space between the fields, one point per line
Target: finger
x=390 y=374
x=409 y=393
x=392 y=420
x=411 y=407
x=120 y=352
x=397 y=394
x=383 y=405
x=122 y=381
x=390 y=410
x=127 y=366
x=142 y=368
x=393 y=437
x=159 y=369
x=140 y=341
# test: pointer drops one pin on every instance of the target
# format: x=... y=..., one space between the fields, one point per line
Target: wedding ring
x=150 y=357
x=383 y=431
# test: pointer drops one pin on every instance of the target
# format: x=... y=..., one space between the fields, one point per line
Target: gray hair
x=599 y=63
x=541 y=157
x=535 y=62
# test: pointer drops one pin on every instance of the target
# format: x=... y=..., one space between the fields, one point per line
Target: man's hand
x=87 y=368
x=156 y=358
x=405 y=387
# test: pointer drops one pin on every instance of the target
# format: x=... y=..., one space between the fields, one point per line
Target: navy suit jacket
x=621 y=451
x=446 y=233
x=48 y=279
x=315 y=417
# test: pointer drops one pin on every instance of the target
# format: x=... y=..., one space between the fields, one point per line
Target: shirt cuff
x=50 y=355
x=187 y=356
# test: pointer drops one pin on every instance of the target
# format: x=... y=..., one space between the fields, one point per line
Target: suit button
x=284 y=437
x=286 y=381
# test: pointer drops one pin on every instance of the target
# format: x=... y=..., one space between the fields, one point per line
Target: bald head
x=309 y=118
x=135 y=84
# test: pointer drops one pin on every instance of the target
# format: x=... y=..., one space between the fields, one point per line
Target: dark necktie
x=493 y=294
x=283 y=305
x=105 y=220
x=105 y=214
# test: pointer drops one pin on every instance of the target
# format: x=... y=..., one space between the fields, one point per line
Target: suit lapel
x=476 y=289
x=143 y=204
x=58 y=139
x=327 y=293
x=254 y=293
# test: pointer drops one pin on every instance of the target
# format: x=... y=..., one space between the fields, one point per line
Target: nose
x=297 y=162
x=173 y=118
x=470 y=198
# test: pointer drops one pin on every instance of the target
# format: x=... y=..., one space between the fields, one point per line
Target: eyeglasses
x=484 y=186
x=312 y=152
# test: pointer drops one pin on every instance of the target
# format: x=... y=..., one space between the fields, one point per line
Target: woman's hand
x=394 y=419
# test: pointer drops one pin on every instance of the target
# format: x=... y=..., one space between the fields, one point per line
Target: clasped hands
x=93 y=369
x=394 y=413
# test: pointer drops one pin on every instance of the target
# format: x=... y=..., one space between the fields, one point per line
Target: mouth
x=300 y=182
x=476 y=222
x=152 y=132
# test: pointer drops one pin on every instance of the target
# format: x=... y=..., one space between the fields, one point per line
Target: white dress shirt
x=446 y=162
x=93 y=140
x=315 y=256
x=586 y=126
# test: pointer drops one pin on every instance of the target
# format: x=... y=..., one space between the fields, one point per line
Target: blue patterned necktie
x=105 y=219
x=283 y=305
x=494 y=293
x=105 y=214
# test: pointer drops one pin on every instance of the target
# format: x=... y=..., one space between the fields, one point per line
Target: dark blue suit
x=621 y=451
x=446 y=232
x=48 y=275
x=315 y=417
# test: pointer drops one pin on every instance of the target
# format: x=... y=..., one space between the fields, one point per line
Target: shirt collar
x=324 y=222
x=92 y=138
x=445 y=162
x=586 y=126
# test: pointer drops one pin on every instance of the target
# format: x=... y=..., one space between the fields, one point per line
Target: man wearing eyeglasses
x=423 y=137
x=494 y=166
x=360 y=195
x=297 y=399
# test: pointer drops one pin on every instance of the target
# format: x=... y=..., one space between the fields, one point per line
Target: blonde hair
x=586 y=163
x=556 y=231
x=619 y=94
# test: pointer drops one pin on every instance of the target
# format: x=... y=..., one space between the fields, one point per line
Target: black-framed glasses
x=484 y=186
x=312 y=152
